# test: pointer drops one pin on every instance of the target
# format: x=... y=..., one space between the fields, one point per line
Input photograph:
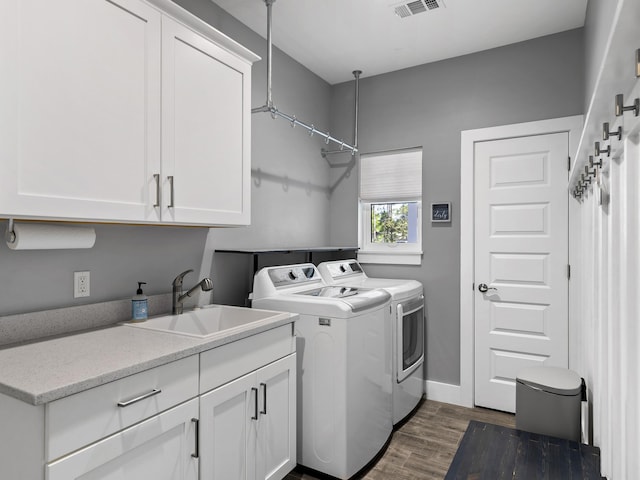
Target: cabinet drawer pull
x=264 y=398
x=126 y=403
x=172 y=203
x=156 y=177
x=197 y=429
x=255 y=408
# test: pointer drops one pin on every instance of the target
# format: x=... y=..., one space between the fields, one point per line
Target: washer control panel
x=343 y=268
x=294 y=275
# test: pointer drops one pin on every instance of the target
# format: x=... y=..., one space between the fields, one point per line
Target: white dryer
x=406 y=337
x=344 y=402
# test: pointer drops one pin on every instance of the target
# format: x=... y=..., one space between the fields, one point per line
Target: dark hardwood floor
x=423 y=447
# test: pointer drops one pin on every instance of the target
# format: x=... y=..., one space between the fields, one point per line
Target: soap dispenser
x=139 y=305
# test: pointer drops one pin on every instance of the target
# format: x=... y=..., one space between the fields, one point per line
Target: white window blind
x=391 y=176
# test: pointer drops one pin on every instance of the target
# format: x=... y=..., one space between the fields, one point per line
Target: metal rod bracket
x=9 y=234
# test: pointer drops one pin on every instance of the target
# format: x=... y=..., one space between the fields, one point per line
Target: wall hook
x=594 y=164
x=606 y=133
x=620 y=108
x=600 y=152
x=588 y=172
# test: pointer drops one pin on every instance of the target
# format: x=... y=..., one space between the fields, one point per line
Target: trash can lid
x=560 y=381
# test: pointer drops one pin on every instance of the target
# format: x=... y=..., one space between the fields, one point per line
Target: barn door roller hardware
x=270 y=107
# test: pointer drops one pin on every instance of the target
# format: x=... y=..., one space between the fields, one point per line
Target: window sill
x=393 y=258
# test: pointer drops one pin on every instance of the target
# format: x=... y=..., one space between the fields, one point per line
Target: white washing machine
x=406 y=333
x=344 y=402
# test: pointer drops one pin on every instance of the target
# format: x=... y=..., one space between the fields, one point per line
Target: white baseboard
x=443 y=392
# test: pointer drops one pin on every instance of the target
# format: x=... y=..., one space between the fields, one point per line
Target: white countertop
x=42 y=371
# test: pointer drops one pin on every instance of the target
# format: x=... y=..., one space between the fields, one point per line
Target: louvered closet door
x=521 y=250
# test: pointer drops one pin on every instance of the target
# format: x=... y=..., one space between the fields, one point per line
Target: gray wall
x=429 y=106
x=287 y=208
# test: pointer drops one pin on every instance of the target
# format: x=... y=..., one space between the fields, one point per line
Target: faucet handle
x=177 y=282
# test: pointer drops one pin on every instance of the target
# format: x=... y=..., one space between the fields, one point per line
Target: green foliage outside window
x=389 y=222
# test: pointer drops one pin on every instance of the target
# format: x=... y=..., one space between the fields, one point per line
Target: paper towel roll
x=34 y=236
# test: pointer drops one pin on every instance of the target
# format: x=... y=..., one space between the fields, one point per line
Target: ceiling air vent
x=409 y=9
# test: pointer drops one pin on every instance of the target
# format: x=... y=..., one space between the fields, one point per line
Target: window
x=391 y=207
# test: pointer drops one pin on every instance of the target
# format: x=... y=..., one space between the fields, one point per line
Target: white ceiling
x=334 y=37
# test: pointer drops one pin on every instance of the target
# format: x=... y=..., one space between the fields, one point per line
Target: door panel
x=227 y=431
x=276 y=454
x=521 y=251
x=81 y=109
x=205 y=126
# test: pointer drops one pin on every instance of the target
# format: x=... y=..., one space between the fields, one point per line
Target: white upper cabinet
x=105 y=104
x=206 y=164
x=79 y=109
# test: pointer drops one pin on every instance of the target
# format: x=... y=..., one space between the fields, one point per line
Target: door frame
x=468 y=138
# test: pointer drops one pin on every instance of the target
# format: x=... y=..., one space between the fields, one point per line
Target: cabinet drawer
x=223 y=364
x=85 y=417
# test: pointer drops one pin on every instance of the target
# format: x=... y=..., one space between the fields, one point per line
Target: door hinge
x=569 y=163
x=568 y=272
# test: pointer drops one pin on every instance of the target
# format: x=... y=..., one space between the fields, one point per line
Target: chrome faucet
x=178 y=297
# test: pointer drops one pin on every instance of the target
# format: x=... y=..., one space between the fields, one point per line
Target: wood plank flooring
x=424 y=446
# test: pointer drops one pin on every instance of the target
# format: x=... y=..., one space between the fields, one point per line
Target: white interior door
x=521 y=256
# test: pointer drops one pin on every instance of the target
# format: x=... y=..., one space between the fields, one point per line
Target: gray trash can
x=548 y=402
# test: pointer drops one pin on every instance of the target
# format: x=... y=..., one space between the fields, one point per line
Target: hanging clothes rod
x=269 y=107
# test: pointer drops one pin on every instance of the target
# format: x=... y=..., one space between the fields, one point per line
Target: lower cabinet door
x=276 y=450
x=160 y=448
x=228 y=430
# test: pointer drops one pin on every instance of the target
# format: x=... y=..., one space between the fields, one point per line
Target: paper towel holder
x=10 y=235
x=45 y=237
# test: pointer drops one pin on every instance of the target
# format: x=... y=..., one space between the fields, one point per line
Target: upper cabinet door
x=206 y=138
x=79 y=109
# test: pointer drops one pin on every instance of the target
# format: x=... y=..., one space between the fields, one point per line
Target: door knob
x=483 y=288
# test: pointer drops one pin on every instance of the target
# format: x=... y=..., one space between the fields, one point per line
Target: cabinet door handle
x=197 y=429
x=172 y=202
x=255 y=408
x=264 y=398
x=126 y=403
x=156 y=177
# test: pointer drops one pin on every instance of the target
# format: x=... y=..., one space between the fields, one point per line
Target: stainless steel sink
x=210 y=320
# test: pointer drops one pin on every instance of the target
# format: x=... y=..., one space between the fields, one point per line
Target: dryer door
x=409 y=336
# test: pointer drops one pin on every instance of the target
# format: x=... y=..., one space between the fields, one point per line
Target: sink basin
x=210 y=320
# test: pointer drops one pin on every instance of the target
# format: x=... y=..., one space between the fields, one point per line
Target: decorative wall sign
x=441 y=212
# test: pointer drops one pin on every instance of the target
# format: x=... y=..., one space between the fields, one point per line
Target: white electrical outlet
x=81 y=284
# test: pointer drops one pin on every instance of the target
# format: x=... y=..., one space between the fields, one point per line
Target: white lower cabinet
x=247 y=426
x=160 y=448
x=228 y=413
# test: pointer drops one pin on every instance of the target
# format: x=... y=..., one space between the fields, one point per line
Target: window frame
x=388 y=253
